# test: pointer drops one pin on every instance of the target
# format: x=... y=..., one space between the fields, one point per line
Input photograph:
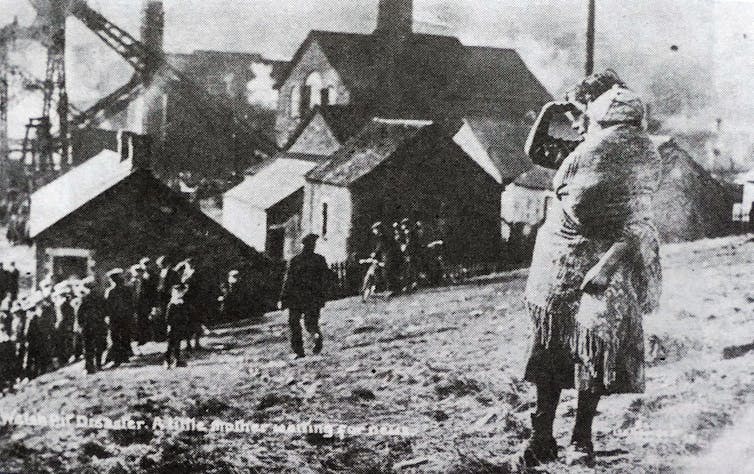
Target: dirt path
x=732 y=452
x=445 y=363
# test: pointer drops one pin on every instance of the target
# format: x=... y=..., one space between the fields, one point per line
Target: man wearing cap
x=19 y=331
x=166 y=277
x=119 y=309
x=47 y=325
x=14 y=280
x=36 y=348
x=304 y=293
x=145 y=291
x=91 y=319
x=177 y=317
x=66 y=321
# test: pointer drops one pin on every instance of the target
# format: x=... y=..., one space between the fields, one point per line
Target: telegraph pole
x=590 y=39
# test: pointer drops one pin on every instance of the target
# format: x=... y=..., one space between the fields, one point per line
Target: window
x=296 y=101
x=325 y=96
x=328 y=96
x=324 y=219
x=313 y=90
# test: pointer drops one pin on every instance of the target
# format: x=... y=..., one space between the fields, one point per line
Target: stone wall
x=312 y=60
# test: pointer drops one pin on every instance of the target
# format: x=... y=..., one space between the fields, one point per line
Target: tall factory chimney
x=154 y=96
x=152 y=32
x=395 y=18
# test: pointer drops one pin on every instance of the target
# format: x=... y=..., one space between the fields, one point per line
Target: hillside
x=444 y=364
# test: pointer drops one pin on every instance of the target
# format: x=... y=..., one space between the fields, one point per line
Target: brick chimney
x=135 y=147
x=395 y=18
x=394 y=28
x=152 y=32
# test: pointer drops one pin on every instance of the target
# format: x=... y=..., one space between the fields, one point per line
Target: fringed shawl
x=604 y=190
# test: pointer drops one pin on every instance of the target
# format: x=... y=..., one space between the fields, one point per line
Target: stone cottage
x=111 y=211
x=394 y=169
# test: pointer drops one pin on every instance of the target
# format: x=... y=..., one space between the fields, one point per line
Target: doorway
x=65 y=267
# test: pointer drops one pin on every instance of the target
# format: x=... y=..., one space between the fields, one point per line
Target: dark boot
x=541 y=447
x=581 y=449
x=317 y=343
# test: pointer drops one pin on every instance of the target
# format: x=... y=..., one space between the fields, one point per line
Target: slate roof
x=275 y=182
x=373 y=145
x=61 y=197
x=344 y=121
x=431 y=72
x=504 y=143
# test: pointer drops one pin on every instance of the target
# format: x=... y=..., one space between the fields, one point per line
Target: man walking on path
x=304 y=294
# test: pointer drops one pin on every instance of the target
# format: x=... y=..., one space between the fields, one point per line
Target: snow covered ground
x=444 y=365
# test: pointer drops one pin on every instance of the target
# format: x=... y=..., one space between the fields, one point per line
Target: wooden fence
x=349 y=276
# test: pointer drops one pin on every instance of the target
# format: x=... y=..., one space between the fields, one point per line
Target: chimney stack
x=152 y=32
x=395 y=18
x=135 y=147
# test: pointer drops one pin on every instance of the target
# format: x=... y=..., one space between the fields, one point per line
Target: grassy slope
x=444 y=362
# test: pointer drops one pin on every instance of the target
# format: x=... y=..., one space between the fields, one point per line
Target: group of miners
x=405 y=258
x=149 y=301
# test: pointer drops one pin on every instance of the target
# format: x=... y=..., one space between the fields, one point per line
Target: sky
x=692 y=59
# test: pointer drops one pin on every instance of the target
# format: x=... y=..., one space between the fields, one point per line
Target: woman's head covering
x=594 y=86
x=618 y=105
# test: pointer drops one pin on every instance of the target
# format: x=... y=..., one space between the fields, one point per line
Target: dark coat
x=388 y=251
x=91 y=318
x=119 y=307
x=306 y=282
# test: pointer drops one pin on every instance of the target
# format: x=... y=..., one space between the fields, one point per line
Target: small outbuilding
x=111 y=211
x=265 y=209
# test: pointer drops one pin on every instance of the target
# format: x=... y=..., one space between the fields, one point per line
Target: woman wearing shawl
x=595 y=270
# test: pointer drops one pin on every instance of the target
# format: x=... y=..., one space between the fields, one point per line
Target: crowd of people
x=406 y=260
x=150 y=301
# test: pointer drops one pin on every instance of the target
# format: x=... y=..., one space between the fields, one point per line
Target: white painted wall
x=246 y=222
x=334 y=245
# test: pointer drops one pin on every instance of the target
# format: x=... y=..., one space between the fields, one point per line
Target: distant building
x=110 y=211
x=397 y=73
x=192 y=120
x=690 y=204
x=393 y=169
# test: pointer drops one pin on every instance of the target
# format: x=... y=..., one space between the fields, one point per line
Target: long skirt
x=603 y=358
